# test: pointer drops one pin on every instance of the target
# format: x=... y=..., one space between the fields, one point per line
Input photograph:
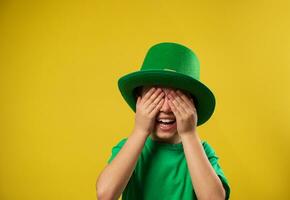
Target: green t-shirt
x=161 y=172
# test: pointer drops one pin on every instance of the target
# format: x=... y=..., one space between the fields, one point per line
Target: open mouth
x=165 y=121
x=166 y=125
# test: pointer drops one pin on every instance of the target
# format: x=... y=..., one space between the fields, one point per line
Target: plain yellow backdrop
x=61 y=111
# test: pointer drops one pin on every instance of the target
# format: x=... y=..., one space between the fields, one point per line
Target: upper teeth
x=166 y=120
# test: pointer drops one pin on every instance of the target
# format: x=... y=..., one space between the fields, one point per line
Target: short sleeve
x=213 y=158
x=116 y=149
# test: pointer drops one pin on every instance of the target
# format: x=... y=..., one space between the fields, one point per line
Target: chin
x=164 y=135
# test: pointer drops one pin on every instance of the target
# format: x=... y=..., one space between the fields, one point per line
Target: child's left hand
x=184 y=111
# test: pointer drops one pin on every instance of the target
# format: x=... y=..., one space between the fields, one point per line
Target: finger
x=177 y=107
x=148 y=94
x=152 y=97
x=189 y=101
x=178 y=102
x=157 y=108
x=155 y=103
x=185 y=98
x=138 y=100
x=174 y=108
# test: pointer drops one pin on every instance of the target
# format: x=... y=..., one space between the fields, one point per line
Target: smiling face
x=162 y=132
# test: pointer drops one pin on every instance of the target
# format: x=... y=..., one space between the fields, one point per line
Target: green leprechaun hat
x=171 y=65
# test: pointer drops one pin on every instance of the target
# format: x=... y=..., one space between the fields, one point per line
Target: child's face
x=164 y=112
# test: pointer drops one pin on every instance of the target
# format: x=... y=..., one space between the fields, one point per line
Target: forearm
x=206 y=183
x=114 y=178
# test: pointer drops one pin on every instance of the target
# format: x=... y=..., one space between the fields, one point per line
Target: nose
x=165 y=107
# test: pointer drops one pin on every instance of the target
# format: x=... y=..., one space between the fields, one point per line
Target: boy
x=164 y=158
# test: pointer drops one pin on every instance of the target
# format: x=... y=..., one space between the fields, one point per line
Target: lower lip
x=167 y=127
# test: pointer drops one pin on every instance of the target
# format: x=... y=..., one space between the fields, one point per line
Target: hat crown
x=172 y=57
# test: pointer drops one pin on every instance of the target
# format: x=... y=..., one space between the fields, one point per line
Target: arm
x=114 y=178
x=206 y=183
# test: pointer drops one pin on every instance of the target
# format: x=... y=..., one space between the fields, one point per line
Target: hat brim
x=203 y=97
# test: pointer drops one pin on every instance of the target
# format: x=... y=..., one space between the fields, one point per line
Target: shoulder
x=209 y=150
x=116 y=148
x=120 y=143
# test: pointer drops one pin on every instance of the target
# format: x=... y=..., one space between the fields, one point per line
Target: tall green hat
x=172 y=65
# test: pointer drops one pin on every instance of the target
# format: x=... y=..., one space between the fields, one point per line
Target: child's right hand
x=146 y=109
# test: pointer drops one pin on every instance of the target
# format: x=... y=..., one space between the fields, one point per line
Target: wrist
x=140 y=132
x=187 y=134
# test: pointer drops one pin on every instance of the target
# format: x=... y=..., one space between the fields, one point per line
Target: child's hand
x=147 y=108
x=184 y=111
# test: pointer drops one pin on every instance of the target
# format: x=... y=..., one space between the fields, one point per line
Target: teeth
x=166 y=120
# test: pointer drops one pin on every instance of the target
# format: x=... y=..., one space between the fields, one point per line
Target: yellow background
x=61 y=110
